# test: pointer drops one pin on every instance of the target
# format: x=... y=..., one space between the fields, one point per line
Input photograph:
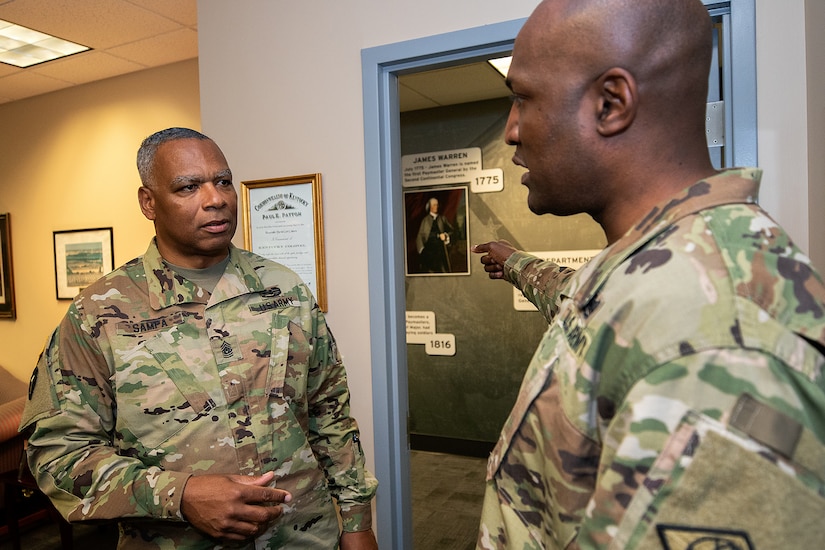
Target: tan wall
x=67 y=161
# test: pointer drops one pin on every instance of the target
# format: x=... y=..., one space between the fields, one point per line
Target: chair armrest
x=10 y=414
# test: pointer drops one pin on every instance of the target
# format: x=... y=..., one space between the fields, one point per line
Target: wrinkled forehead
x=189 y=156
x=190 y=150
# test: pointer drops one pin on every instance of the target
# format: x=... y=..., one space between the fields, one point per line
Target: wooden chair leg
x=12 y=498
x=66 y=534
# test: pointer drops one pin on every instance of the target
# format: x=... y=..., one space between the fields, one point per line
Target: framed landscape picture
x=81 y=256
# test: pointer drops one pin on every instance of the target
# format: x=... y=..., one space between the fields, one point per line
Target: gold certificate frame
x=283 y=220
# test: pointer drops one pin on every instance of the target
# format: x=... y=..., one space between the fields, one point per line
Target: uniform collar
x=166 y=288
x=738 y=185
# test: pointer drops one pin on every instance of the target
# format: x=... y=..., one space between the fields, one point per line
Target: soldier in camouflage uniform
x=677 y=400
x=196 y=394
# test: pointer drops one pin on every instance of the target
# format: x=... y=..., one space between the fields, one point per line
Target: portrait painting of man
x=436 y=231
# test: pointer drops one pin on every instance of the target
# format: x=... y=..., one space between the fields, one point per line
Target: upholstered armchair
x=16 y=482
x=12 y=401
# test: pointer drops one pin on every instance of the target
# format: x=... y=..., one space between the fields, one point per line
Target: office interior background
x=279 y=87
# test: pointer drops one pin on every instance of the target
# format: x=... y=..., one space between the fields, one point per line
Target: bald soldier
x=677 y=399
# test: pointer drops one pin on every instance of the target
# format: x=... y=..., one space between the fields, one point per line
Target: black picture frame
x=7 y=303
x=81 y=256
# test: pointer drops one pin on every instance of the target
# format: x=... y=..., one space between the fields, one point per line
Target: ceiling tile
x=410 y=100
x=87 y=67
x=161 y=50
x=453 y=85
x=184 y=12
x=98 y=24
x=6 y=69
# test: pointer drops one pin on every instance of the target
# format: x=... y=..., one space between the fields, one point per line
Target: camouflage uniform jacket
x=677 y=398
x=149 y=379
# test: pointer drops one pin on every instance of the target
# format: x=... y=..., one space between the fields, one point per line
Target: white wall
x=785 y=123
x=815 y=58
x=281 y=93
x=780 y=84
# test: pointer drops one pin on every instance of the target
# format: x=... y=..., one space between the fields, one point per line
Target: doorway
x=382 y=68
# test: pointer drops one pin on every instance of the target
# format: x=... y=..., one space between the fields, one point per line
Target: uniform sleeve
x=695 y=448
x=333 y=433
x=540 y=281
x=70 y=417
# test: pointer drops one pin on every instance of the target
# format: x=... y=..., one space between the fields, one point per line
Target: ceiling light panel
x=502 y=64
x=24 y=47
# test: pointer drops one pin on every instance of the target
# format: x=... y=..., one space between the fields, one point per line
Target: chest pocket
x=546 y=453
x=267 y=359
x=158 y=395
x=289 y=359
x=534 y=380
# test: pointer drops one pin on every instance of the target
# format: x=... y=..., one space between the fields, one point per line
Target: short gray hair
x=149 y=146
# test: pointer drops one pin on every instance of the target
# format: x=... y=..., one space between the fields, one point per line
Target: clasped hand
x=232 y=507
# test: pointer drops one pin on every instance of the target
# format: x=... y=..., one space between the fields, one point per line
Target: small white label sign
x=487 y=181
x=421 y=330
x=440 y=167
x=440 y=344
x=420 y=325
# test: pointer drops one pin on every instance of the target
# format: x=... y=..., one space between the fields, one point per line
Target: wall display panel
x=477 y=340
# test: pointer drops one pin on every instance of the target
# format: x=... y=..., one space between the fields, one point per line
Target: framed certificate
x=283 y=221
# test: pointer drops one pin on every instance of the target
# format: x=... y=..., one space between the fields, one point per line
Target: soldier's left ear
x=616 y=101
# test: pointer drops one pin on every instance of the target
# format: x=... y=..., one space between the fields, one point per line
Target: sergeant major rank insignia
x=225 y=349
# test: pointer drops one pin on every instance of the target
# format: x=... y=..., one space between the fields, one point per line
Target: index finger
x=481 y=248
x=268 y=495
x=277 y=496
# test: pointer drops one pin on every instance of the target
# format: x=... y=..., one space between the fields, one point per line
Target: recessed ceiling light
x=502 y=64
x=24 y=47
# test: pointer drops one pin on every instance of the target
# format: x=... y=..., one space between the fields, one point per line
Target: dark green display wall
x=459 y=403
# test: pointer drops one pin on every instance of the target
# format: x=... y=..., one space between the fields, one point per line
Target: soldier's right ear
x=146 y=199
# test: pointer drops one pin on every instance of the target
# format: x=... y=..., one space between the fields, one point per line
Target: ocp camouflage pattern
x=149 y=379
x=677 y=399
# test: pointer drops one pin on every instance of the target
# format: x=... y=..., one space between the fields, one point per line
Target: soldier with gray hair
x=196 y=394
x=677 y=399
